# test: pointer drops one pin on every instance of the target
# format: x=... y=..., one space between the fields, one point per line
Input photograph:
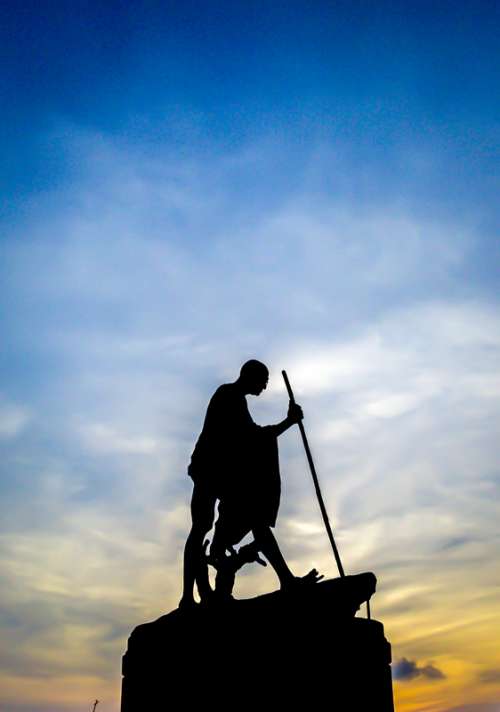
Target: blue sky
x=188 y=185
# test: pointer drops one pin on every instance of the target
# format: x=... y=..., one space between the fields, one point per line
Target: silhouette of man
x=236 y=461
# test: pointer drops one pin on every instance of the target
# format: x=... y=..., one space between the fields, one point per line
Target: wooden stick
x=322 y=507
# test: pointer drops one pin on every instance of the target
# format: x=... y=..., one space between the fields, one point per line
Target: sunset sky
x=187 y=185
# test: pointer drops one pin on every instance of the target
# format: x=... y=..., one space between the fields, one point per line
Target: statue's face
x=258 y=383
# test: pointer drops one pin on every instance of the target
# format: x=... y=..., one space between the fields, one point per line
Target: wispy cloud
x=480 y=707
x=490 y=676
x=143 y=288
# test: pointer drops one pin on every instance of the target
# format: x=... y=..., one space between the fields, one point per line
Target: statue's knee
x=200 y=530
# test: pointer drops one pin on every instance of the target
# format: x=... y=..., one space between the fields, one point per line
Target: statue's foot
x=216 y=600
x=207 y=601
x=187 y=603
x=310 y=578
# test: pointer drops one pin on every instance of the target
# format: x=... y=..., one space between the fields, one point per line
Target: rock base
x=281 y=649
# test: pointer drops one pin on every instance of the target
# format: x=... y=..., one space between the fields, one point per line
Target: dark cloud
x=405 y=669
x=454 y=543
x=490 y=676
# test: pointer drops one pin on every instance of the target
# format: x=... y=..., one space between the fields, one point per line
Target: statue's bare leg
x=267 y=544
x=195 y=565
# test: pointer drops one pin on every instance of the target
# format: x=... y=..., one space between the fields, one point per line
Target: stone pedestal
x=264 y=653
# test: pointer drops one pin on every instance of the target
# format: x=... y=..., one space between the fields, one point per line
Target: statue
x=223 y=645
x=235 y=461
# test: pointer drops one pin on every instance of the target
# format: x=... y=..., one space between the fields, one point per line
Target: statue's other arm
x=294 y=416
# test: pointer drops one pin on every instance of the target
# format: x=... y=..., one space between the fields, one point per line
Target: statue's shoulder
x=227 y=391
x=226 y=399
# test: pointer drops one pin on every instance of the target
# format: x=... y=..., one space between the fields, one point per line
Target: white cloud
x=13 y=419
x=106 y=439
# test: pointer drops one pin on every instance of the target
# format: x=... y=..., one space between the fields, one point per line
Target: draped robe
x=238 y=461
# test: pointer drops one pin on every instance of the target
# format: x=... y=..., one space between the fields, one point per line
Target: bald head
x=254 y=376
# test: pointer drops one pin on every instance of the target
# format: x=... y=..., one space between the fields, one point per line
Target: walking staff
x=319 y=495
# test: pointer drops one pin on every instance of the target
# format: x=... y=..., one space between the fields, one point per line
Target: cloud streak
x=144 y=287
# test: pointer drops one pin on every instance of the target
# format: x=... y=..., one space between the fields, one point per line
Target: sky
x=187 y=185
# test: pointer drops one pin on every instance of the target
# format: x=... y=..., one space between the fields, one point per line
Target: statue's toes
x=312 y=577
